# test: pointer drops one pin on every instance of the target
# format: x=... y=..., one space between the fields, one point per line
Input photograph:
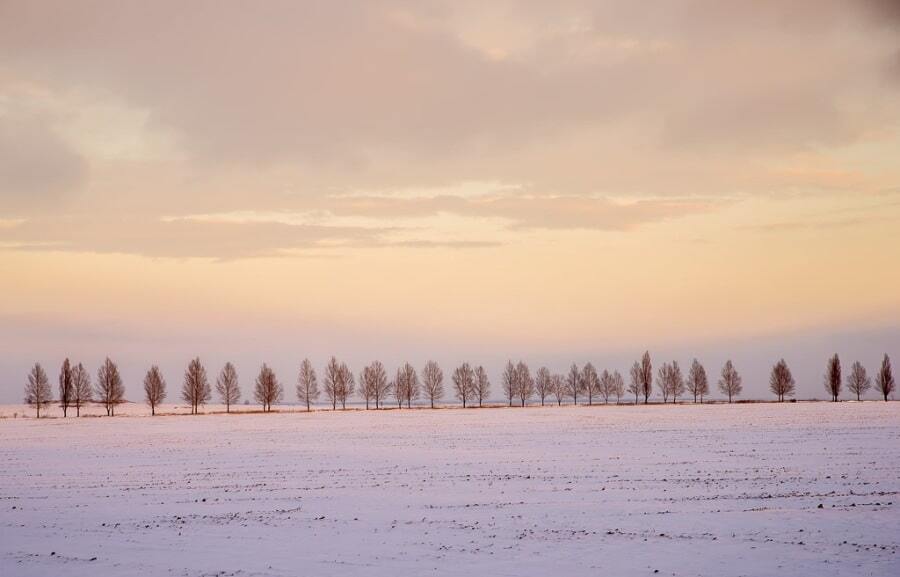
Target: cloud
x=37 y=167
x=346 y=84
x=532 y=212
x=179 y=239
x=296 y=107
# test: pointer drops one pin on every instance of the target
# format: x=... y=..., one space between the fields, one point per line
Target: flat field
x=717 y=490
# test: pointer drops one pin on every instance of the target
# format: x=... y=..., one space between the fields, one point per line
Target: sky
x=411 y=180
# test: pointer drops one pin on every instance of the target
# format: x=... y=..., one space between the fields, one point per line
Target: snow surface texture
x=792 y=489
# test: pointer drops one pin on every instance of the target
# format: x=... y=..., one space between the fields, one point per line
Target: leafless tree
x=397 y=389
x=81 y=386
x=663 y=382
x=407 y=383
x=781 y=381
x=590 y=382
x=307 y=384
x=332 y=381
x=524 y=383
x=858 y=380
x=366 y=386
x=635 y=385
x=676 y=381
x=574 y=383
x=558 y=388
x=110 y=390
x=37 y=388
x=730 y=382
x=228 y=387
x=697 y=382
x=646 y=375
x=606 y=386
x=670 y=381
x=154 y=388
x=195 y=390
x=884 y=380
x=482 y=385
x=833 y=379
x=382 y=387
x=346 y=384
x=66 y=387
x=543 y=383
x=510 y=382
x=433 y=382
x=268 y=390
x=618 y=385
x=464 y=383
x=373 y=384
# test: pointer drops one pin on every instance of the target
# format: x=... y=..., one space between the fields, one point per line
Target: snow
x=719 y=490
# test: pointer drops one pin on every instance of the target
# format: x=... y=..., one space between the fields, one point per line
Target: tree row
x=470 y=385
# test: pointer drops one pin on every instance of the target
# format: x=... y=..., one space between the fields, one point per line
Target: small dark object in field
x=821 y=506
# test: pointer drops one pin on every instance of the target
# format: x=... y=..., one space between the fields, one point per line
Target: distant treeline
x=470 y=385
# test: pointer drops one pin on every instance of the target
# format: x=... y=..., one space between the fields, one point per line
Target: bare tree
x=37 y=388
x=663 y=381
x=635 y=385
x=332 y=383
x=606 y=386
x=307 y=384
x=524 y=383
x=558 y=388
x=858 y=380
x=66 y=387
x=590 y=382
x=646 y=377
x=618 y=385
x=510 y=382
x=373 y=384
x=670 y=381
x=542 y=384
x=228 y=387
x=397 y=389
x=81 y=386
x=366 y=386
x=833 y=379
x=697 y=382
x=676 y=381
x=781 y=381
x=407 y=383
x=382 y=388
x=730 y=382
x=433 y=382
x=884 y=380
x=574 y=383
x=195 y=390
x=464 y=383
x=110 y=390
x=346 y=384
x=268 y=390
x=482 y=385
x=154 y=388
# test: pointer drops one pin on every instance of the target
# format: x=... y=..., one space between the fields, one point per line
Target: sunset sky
x=553 y=181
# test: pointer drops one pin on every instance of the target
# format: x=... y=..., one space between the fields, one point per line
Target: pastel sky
x=405 y=180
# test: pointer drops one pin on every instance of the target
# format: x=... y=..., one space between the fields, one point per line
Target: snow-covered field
x=792 y=489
